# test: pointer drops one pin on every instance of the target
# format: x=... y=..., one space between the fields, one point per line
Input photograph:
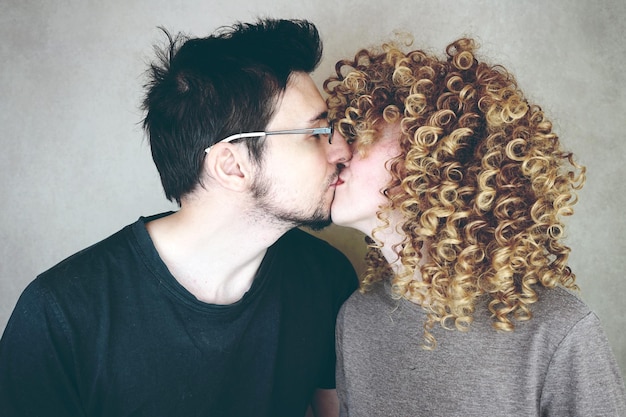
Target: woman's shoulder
x=559 y=304
x=372 y=302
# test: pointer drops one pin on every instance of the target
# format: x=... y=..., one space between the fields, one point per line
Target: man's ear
x=226 y=164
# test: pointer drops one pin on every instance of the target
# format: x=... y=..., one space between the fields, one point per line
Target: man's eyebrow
x=321 y=116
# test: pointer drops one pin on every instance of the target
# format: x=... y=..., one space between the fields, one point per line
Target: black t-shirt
x=110 y=332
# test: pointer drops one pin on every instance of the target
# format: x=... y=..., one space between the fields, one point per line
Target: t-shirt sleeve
x=36 y=376
x=583 y=378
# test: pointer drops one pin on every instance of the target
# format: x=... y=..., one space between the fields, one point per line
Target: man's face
x=297 y=179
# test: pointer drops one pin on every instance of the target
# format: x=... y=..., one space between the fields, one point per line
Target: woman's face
x=359 y=196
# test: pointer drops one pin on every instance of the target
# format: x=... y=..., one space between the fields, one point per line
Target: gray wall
x=75 y=166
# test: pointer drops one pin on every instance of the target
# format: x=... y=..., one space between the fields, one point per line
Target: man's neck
x=214 y=254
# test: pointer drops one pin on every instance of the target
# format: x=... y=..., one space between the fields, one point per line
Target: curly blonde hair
x=482 y=181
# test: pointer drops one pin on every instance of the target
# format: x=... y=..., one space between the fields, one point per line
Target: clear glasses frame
x=328 y=130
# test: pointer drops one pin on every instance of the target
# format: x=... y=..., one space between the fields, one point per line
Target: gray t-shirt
x=557 y=364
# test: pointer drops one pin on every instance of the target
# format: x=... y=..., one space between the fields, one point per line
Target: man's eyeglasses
x=322 y=131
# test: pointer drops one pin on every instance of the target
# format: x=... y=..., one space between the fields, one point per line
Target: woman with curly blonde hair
x=467 y=306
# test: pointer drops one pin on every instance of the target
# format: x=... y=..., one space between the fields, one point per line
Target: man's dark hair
x=201 y=90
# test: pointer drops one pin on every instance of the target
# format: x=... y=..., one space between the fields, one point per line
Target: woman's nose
x=338 y=149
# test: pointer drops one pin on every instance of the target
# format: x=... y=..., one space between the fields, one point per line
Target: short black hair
x=201 y=90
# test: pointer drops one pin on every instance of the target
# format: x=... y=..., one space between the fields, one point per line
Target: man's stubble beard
x=318 y=220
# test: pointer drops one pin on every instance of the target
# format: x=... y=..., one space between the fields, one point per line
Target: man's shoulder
x=91 y=263
x=90 y=253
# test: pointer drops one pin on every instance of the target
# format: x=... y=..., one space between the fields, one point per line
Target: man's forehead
x=301 y=101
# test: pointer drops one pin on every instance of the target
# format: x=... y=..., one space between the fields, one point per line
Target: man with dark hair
x=224 y=307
